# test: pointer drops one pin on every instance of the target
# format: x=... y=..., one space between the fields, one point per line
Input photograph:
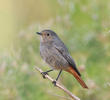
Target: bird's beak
x=39 y=33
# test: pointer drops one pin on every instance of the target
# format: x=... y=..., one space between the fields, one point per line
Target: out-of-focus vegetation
x=83 y=25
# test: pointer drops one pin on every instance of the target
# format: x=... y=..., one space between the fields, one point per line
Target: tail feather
x=73 y=72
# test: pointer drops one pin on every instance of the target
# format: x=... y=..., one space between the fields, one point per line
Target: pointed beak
x=39 y=33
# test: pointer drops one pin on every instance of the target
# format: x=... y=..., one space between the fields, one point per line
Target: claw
x=54 y=83
x=43 y=74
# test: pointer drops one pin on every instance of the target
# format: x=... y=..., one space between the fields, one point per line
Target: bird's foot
x=54 y=83
x=44 y=73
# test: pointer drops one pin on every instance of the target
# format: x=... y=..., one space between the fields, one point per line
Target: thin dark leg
x=45 y=73
x=54 y=82
x=59 y=75
x=49 y=70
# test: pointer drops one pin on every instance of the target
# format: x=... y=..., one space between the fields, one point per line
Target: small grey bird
x=56 y=55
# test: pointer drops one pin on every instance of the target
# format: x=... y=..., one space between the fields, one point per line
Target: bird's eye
x=48 y=34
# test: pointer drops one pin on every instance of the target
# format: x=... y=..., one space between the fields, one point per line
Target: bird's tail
x=74 y=73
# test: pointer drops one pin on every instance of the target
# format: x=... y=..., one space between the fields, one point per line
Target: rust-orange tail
x=73 y=72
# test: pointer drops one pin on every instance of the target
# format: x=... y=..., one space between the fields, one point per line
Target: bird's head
x=47 y=35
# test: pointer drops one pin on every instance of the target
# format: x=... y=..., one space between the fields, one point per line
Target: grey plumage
x=54 y=52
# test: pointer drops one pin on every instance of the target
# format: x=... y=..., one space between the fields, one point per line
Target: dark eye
x=48 y=34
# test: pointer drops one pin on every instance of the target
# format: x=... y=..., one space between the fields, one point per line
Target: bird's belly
x=53 y=58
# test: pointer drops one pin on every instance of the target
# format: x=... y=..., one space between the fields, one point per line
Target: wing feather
x=64 y=52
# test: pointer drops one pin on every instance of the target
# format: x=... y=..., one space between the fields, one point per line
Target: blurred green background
x=83 y=25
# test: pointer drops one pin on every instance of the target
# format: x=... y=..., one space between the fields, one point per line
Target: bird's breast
x=52 y=57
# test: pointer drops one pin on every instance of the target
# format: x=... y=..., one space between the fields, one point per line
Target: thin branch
x=59 y=86
x=63 y=97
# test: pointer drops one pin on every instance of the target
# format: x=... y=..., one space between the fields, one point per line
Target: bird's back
x=62 y=49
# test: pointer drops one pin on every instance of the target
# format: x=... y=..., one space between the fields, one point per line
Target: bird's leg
x=54 y=82
x=46 y=73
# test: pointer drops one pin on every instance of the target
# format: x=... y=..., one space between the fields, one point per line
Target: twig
x=63 y=97
x=59 y=86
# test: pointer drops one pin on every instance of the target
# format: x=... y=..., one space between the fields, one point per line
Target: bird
x=54 y=52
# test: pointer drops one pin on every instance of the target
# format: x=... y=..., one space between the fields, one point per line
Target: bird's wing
x=64 y=52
